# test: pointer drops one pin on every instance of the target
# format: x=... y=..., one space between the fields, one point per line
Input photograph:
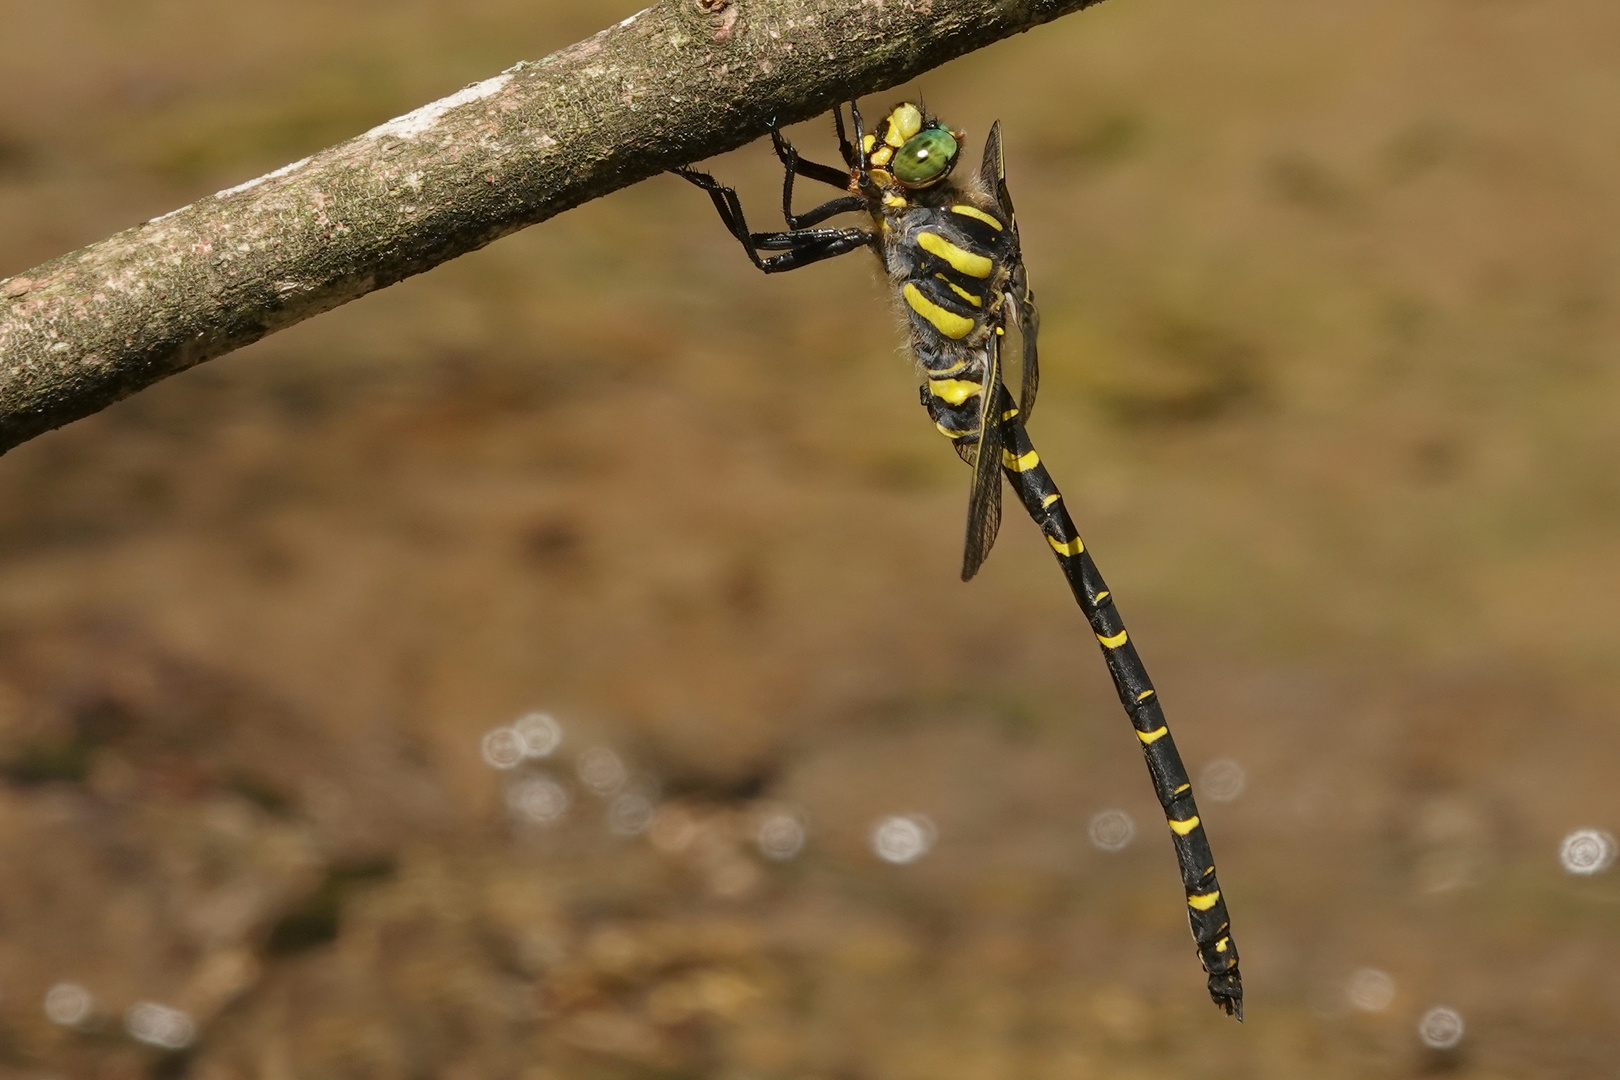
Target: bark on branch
x=679 y=82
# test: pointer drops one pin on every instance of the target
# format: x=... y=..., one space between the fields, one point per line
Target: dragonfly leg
x=799 y=247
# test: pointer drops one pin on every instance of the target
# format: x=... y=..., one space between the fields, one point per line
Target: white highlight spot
x=780 y=836
x=1588 y=851
x=630 y=814
x=672 y=830
x=538 y=799
x=1222 y=780
x=503 y=748
x=159 y=1025
x=601 y=770
x=1370 y=990
x=1112 y=830
x=540 y=732
x=903 y=838
x=415 y=123
x=1441 y=1028
x=68 y=1004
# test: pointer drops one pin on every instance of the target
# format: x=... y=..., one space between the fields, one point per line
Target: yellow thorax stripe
x=963 y=262
x=977 y=214
x=949 y=323
x=954 y=391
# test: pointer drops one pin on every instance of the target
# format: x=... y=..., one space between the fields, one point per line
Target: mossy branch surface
x=676 y=83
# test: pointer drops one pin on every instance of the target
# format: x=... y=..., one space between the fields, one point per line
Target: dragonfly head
x=913 y=148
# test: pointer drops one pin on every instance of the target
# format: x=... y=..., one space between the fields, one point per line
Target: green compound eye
x=925 y=158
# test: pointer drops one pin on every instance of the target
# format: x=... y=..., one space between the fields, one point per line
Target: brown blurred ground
x=1331 y=326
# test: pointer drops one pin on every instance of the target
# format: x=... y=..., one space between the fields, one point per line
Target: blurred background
x=555 y=667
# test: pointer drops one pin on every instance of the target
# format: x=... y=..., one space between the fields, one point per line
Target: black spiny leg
x=800 y=247
x=793 y=165
x=845 y=147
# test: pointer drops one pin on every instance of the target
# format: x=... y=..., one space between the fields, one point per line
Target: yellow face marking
x=976 y=301
x=1150 y=737
x=949 y=323
x=1182 y=828
x=867 y=142
x=954 y=391
x=1220 y=946
x=1204 y=902
x=1050 y=499
x=963 y=262
x=881 y=157
x=894 y=199
x=1073 y=547
x=976 y=214
x=1113 y=642
x=1020 y=464
x=904 y=122
x=1183 y=787
x=881 y=177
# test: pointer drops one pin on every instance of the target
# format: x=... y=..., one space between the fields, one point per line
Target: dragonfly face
x=910 y=150
x=952 y=254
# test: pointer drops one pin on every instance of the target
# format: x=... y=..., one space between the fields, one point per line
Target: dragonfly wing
x=984 y=497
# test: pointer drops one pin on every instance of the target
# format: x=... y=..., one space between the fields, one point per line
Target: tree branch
x=679 y=82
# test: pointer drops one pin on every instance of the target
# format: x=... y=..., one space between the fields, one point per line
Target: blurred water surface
x=1330 y=327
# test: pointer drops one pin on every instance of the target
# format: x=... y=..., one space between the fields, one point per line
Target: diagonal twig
x=681 y=81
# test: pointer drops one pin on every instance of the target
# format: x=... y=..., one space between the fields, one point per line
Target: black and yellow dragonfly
x=952 y=254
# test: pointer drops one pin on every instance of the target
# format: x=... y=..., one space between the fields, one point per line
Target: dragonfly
x=951 y=251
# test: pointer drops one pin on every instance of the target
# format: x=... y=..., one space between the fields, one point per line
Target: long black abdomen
x=1206 y=907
